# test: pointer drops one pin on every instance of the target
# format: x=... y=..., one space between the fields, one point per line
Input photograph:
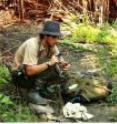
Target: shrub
x=90 y=33
x=5 y=76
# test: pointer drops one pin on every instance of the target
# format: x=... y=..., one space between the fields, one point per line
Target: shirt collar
x=41 y=46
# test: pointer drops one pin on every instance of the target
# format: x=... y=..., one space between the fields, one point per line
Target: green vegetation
x=4 y=75
x=108 y=60
x=85 y=32
x=113 y=97
x=12 y=110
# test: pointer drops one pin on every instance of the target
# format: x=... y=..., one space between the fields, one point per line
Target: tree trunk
x=21 y=10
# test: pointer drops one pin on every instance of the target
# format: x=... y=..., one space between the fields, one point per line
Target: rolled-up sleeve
x=30 y=55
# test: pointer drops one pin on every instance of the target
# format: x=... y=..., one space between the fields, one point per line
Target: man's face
x=51 y=40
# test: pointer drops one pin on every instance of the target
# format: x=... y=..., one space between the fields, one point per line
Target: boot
x=35 y=98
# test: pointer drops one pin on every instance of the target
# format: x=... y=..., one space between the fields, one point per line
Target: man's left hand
x=65 y=65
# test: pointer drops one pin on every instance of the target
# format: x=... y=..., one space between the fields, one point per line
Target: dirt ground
x=12 y=37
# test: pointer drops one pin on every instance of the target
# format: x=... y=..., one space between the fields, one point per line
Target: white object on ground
x=76 y=111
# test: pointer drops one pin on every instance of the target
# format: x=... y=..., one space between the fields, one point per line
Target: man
x=36 y=62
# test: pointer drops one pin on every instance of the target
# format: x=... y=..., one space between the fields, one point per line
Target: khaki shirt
x=29 y=52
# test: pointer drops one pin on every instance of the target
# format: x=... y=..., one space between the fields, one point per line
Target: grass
x=4 y=75
x=16 y=112
x=85 y=32
x=11 y=110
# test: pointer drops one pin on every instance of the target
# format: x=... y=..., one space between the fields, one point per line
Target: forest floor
x=12 y=37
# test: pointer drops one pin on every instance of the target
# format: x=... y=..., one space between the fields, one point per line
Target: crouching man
x=36 y=63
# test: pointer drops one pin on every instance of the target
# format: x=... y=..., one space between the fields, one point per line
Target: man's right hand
x=36 y=69
x=54 y=60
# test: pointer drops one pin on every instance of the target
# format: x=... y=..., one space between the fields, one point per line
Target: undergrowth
x=89 y=33
x=12 y=110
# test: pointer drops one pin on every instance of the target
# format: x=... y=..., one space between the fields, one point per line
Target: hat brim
x=50 y=33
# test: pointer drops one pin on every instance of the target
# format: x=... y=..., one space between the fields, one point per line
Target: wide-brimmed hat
x=51 y=28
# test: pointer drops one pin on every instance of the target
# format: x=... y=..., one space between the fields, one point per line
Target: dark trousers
x=42 y=80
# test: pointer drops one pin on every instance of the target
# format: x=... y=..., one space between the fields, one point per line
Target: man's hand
x=65 y=65
x=54 y=60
